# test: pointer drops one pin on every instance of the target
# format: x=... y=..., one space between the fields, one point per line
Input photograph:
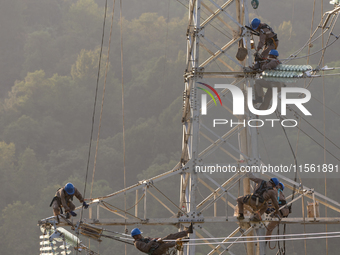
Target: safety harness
x=148 y=240
x=258 y=194
x=271 y=40
x=56 y=198
x=281 y=202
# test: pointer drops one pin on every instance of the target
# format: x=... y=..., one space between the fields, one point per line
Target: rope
x=324 y=117
x=136 y=203
x=291 y=148
x=102 y=105
x=327 y=106
x=311 y=31
x=166 y=38
x=329 y=36
x=169 y=199
x=93 y=114
x=123 y=115
x=117 y=209
x=117 y=239
x=94 y=106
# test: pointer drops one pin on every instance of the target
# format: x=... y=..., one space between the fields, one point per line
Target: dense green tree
x=29 y=171
x=18 y=230
x=51 y=48
x=38 y=52
x=7 y=170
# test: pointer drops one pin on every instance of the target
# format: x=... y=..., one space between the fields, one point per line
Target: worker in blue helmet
x=263 y=192
x=157 y=246
x=270 y=63
x=260 y=84
x=63 y=199
x=284 y=210
x=268 y=38
x=267 y=64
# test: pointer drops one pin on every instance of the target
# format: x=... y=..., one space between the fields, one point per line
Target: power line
x=264 y=240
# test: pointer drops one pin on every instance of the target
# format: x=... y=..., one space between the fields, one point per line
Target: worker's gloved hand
x=269 y=210
x=73 y=213
x=68 y=215
x=276 y=214
x=85 y=205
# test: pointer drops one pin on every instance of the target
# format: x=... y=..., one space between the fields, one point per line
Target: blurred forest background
x=49 y=52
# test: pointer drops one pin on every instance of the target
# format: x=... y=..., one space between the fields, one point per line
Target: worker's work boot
x=189 y=229
x=240 y=216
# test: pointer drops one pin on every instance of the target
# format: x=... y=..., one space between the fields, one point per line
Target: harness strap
x=274 y=42
x=56 y=198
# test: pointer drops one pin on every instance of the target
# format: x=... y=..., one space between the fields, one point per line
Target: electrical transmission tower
x=215 y=34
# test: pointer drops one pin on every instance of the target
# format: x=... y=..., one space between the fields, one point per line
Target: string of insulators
x=287 y=71
x=296 y=68
x=278 y=79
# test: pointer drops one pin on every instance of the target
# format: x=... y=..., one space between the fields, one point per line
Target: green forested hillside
x=49 y=53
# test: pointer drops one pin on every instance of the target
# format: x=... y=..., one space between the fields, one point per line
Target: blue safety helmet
x=69 y=188
x=275 y=181
x=274 y=53
x=283 y=186
x=255 y=23
x=135 y=232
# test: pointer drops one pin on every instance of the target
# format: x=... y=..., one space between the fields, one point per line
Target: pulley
x=255 y=3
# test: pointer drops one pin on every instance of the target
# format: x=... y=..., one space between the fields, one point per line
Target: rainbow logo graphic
x=204 y=97
x=208 y=92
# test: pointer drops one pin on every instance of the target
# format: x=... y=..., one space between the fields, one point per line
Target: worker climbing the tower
x=264 y=191
x=284 y=211
x=268 y=38
x=63 y=198
x=270 y=63
x=156 y=246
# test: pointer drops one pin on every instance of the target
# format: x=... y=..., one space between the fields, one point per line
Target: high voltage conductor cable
x=311 y=54
x=312 y=139
x=295 y=160
x=263 y=240
x=314 y=128
x=248 y=237
x=294 y=55
x=329 y=37
x=309 y=41
x=94 y=106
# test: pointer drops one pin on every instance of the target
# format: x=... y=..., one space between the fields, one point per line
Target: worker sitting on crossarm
x=63 y=199
x=156 y=246
x=268 y=38
x=284 y=211
x=264 y=191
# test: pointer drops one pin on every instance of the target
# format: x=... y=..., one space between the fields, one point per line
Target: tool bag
x=242 y=52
